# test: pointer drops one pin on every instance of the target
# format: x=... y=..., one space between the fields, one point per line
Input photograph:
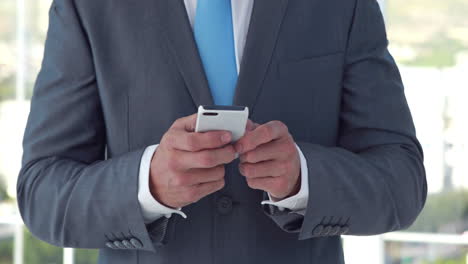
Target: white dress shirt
x=152 y=209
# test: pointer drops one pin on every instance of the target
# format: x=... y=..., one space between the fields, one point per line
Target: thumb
x=186 y=123
x=250 y=125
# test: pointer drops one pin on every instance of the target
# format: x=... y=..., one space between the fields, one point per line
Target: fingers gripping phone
x=229 y=118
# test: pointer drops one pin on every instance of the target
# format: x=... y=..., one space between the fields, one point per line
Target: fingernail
x=236 y=155
x=241 y=170
x=239 y=149
x=226 y=138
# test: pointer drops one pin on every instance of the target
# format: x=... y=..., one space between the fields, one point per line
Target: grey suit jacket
x=116 y=74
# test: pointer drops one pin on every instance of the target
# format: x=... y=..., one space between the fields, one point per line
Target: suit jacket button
x=326 y=230
x=318 y=230
x=224 y=205
x=119 y=244
x=136 y=243
x=127 y=244
x=336 y=230
x=111 y=245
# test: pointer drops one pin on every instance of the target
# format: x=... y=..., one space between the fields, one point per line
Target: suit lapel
x=184 y=50
x=265 y=23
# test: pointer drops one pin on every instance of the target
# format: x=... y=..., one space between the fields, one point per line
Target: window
x=429 y=40
x=23 y=27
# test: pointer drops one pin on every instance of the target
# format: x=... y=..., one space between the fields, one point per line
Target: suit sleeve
x=68 y=194
x=374 y=180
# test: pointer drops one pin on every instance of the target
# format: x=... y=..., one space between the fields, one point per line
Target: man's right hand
x=188 y=166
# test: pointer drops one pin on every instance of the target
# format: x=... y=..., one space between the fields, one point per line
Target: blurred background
x=429 y=40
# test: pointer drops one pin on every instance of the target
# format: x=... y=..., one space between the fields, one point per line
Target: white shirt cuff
x=299 y=201
x=152 y=210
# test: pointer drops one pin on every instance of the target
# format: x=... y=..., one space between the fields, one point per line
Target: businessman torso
x=148 y=63
x=291 y=71
x=143 y=62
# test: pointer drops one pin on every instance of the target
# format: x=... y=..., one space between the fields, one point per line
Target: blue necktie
x=214 y=35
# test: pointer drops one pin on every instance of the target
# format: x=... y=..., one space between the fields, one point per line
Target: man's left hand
x=269 y=159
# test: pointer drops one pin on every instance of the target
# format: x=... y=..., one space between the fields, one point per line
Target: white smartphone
x=229 y=118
